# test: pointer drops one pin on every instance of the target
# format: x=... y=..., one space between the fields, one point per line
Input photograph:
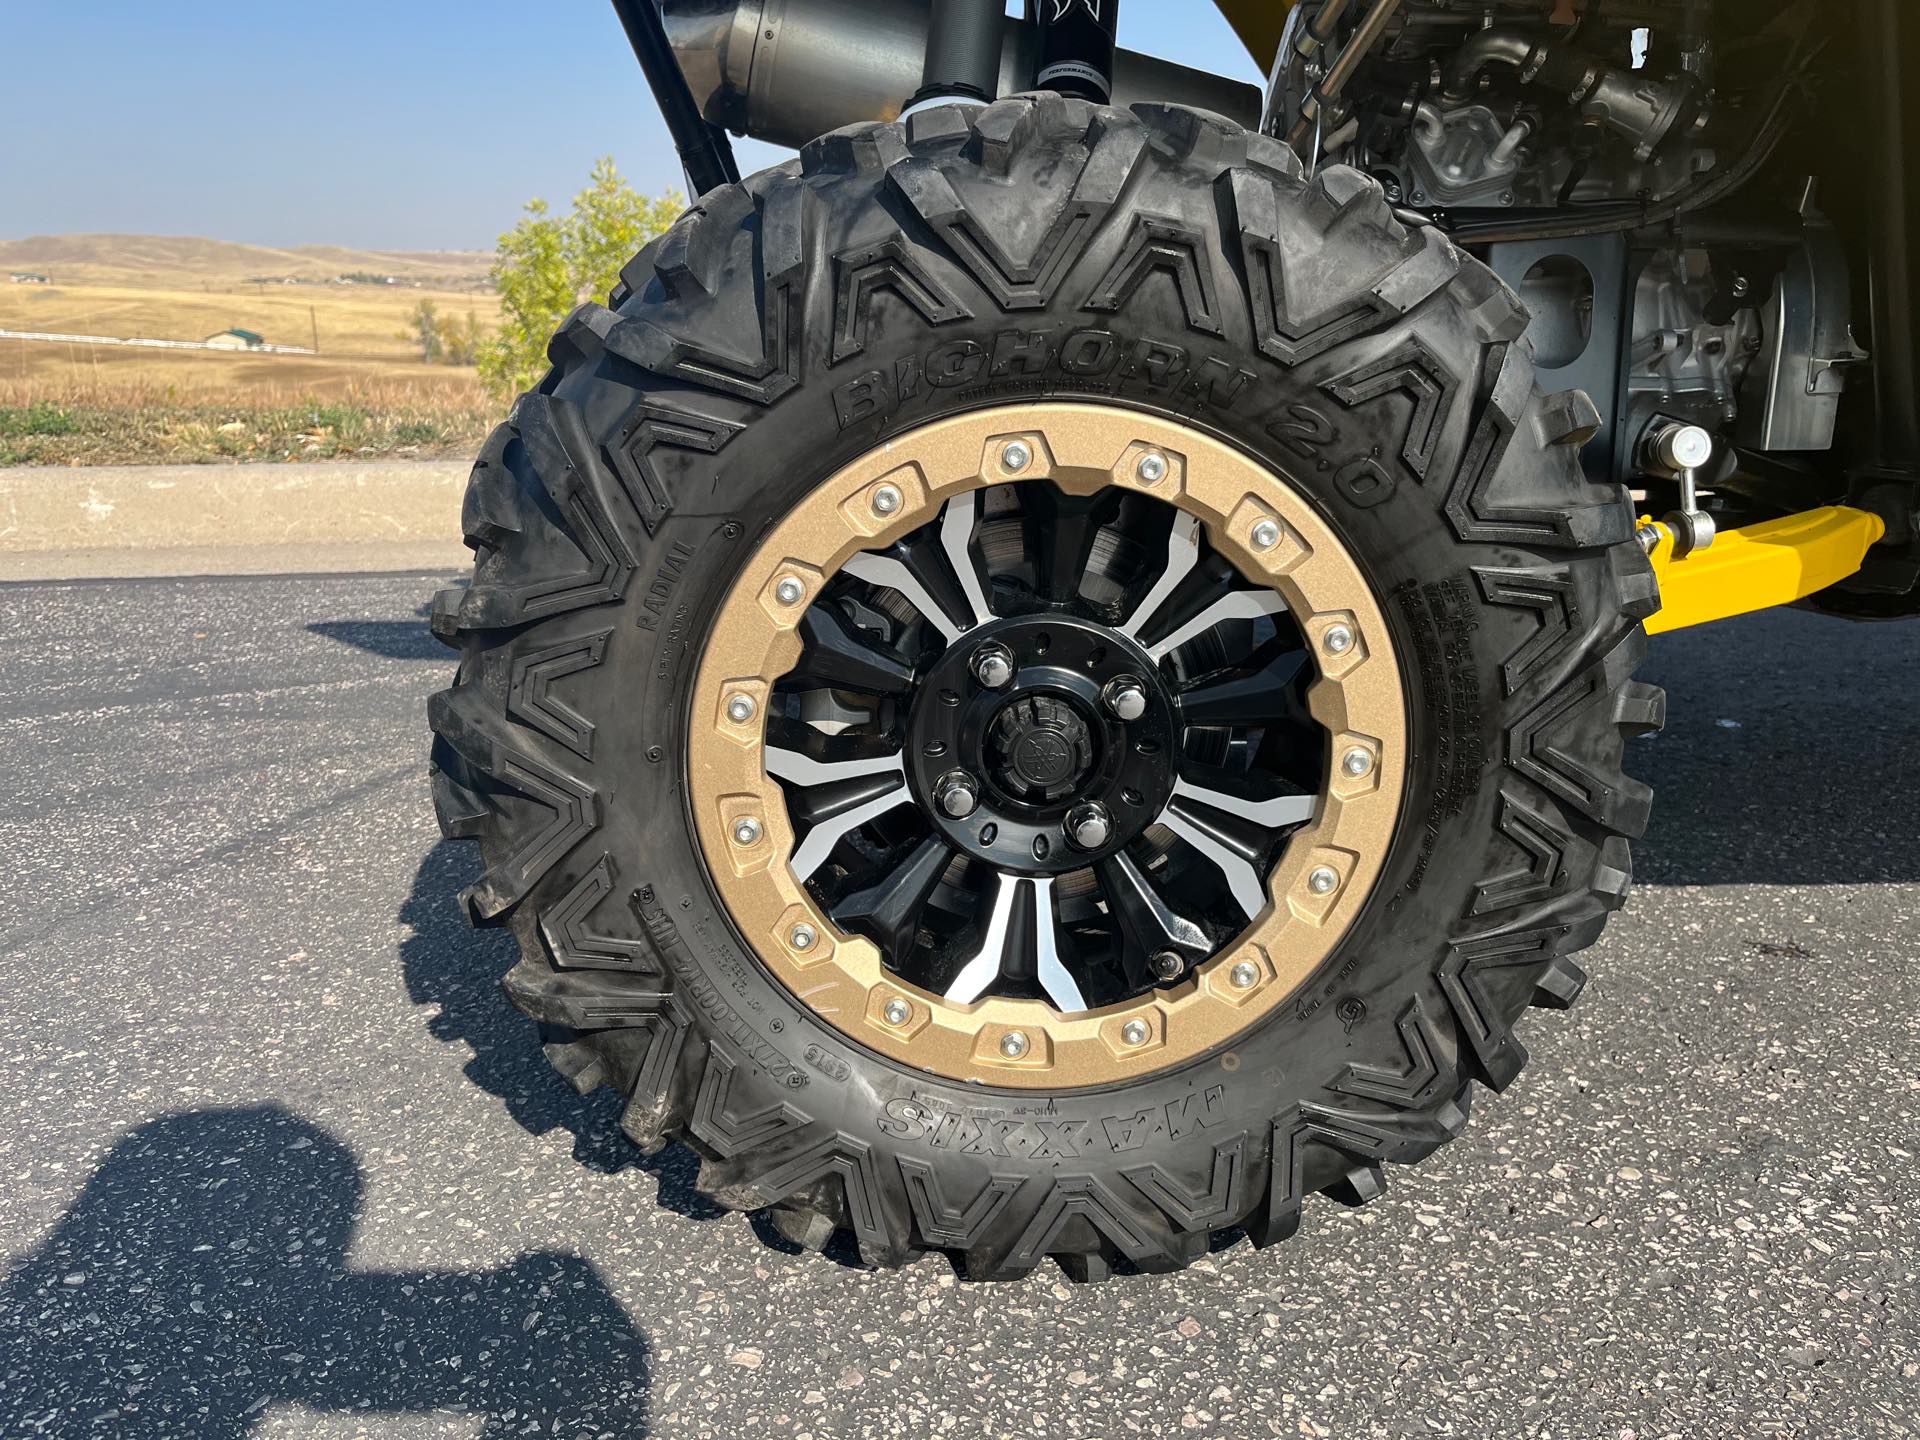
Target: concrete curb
x=71 y=523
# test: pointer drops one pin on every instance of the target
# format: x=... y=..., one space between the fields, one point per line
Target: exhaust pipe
x=787 y=71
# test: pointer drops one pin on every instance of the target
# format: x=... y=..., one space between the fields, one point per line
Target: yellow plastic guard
x=1763 y=565
x=1258 y=23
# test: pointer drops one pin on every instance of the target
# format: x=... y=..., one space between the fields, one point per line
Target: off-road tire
x=1161 y=260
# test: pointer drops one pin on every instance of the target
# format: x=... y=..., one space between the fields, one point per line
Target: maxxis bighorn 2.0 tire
x=1159 y=261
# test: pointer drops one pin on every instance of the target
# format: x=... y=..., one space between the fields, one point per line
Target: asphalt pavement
x=276 y=1158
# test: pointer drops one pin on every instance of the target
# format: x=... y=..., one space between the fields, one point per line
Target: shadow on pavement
x=1791 y=754
x=201 y=1277
x=459 y=969
x=390 y=639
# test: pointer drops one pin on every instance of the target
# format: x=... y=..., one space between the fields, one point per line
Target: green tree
x=547 y=264
x=425 y=329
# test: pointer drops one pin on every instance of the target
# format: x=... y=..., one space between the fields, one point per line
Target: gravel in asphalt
x=277 y=1159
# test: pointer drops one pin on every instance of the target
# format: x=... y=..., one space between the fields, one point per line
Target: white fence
x=157 y=344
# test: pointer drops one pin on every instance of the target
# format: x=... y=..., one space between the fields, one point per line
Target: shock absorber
x=1076 y=47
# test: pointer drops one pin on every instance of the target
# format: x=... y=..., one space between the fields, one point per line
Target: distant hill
x=163 y=259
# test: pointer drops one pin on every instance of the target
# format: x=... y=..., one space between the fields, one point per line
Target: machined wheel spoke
x=997 y=955
x=1143 y=914
x=956 y=539
x=1183 y=553
x=1275 y=813
x=829 y=830
x=894 y=574
x=1234 y=605
x=840 y=654
x=889 y=909
x=1256 y=697
x=803 y=769
x=1234 y=865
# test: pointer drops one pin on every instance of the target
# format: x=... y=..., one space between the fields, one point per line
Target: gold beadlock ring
x=1252 y=516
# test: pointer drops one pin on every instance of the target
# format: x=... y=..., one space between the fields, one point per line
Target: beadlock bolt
x=1242 y=976
x=1152 y=467
x=886 y=500
x=789 y=590
x=1017 y=456
x=1168 y=965
x=740 y=709
x=1338 y=639
x=1357 y=762
x=1266 y=535
x=1322 y=880
x=1136 y=1032
x=896 y=1012
x=746 y=830
x=802 y=937
x=1013 y=1044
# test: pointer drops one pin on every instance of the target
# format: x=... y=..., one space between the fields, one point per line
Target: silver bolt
x=1168 y=965
x=1126 y=697
x=740 y=709
x=1013 y=1044
x=746 y=830
x=802 y=937
x=1152 y=467
x=1017 y=456
x=1321 y=880
x=1266 y=535
x=1242 y=976
x=1338 y=639
x=1089 y=826
x=958 y=795
x=992 y=666
x=1135 y=1032
x=789 y=590
x=1357 y=762
x=886 y=500
x=897 y=1012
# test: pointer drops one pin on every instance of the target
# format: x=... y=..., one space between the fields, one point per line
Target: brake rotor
x=1048 y=746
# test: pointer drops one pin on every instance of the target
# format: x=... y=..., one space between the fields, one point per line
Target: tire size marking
x=1441 y=616
x=694 y=981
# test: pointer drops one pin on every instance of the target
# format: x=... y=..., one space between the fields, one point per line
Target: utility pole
x=314 y=317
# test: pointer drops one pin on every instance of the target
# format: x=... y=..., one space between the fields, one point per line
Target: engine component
x=1640 y=106
x=788 y=71
x=1464 y=154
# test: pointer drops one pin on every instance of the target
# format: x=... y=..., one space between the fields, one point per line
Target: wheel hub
x=1041 y=773
x=1040 y=743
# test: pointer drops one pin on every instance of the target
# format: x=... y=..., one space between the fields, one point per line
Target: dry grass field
x=366 y=392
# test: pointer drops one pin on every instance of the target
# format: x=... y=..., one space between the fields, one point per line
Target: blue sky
x=412 y=124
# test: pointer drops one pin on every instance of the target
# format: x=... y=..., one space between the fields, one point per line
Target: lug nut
x=1017 y=456
x=957 y=794
x=1089 y=826
x=1168 y=965
x=1266 y=535
x=1322 y=880
x=1013 y=1044
x=740 y=709
x=1136 y=1032
x=801 y=937
x=886 y=500
x=1338 y=639
x=789 y=590
x=1357 y=762
x=896 y=1012
x=1126 y=697
x=992 y=666
x=746 y=831
x=1152 y=467
x=1242 y=976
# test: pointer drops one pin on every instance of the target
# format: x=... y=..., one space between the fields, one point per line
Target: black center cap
x=1040 y=749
